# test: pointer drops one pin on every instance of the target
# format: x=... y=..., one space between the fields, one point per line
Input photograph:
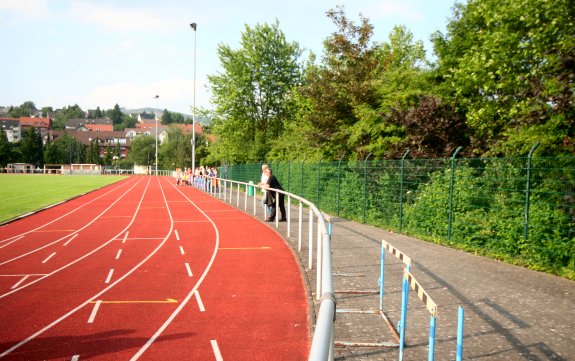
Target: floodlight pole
x=157 y=97
x=194 y=27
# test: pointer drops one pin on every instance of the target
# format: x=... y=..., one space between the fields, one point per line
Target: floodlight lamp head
x=194 y=26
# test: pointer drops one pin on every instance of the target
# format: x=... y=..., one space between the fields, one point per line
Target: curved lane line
x=196 y=286
x=91 y=299
x=75 y=232
x=84 y=256
x=64 y=215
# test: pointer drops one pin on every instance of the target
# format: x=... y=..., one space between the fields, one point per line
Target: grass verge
x=24 y=193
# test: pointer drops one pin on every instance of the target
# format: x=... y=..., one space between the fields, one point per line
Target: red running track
x=146 y=270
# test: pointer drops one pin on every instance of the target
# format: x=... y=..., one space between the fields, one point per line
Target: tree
x=166 y=118
x=509 y=64
x=31 y=147
x=70 y=112
x=116 y=116
x=6 y=150
x=143 y=150
x=98 y=113
x=64 y=150
x=26 y=109
x=250 y=94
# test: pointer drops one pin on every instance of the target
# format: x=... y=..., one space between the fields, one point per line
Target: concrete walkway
x=511 y=313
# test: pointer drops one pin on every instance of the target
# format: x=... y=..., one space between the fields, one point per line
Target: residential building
x=11 y=126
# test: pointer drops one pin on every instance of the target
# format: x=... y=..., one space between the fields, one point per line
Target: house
x=106 y=140
x=42 y=124
x=11 y=126
x=95 y=125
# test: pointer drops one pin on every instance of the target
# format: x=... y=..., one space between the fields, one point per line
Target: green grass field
x=23 y=193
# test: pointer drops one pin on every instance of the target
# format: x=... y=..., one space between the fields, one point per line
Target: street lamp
x=194 y=27
x=157 y=97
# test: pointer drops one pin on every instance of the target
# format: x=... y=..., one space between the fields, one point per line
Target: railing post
x=528 y=191
x=365 y=185
x=451 y=186
x=401 y=172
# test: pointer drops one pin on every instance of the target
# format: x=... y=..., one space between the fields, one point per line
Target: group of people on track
x=202 y=177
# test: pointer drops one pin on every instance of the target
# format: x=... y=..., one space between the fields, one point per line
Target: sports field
x=24 y=193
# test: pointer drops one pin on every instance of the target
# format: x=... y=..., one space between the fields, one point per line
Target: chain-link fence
x=521 y=210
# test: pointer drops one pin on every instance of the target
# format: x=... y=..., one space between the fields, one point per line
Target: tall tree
x=143 y=150
x=25 y=109
x=116 y=116
x=31 y=147
x=510 y=65
x=251 y=93
x=66 y=113
x=6 y=150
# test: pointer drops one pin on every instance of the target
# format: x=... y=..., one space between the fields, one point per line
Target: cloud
x=119 y=19
x=406 y=10
x=176 y=95
x=23 y=11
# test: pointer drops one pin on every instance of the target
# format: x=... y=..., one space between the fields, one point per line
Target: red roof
x=35 y=122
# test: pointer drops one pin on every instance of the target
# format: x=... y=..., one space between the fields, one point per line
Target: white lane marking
x=109 y=278
x=94 y=311
x=75 y=358
x=118 y=254
x=70 y=240
x=182 y=250
x=200 y=303
x=190 y=274
x=216 y=348
x=79 y=307
x=48 y=258
x=125 y=237
x=197 y=285
x=14 y=240
x=20 y=282
x=177 y=234
x=78 y=230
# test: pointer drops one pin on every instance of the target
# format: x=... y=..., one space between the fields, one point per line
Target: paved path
x=511 y=313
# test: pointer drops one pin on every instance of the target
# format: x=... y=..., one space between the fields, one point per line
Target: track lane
x=181 y=329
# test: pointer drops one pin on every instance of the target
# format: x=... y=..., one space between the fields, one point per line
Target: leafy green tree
x=66 y=113
x=6 y=150
x=31 y=147
x=167 y=118
x=116 y=116
x=509 y=64
x=26 y=109
x=251 y=92
x=64 y=150
x=341 y=84
x=143 y=150
x=93 y=156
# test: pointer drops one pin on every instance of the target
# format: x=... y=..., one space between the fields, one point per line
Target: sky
x=105 y=52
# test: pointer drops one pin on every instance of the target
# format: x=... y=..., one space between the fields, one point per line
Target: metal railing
x=322 y=347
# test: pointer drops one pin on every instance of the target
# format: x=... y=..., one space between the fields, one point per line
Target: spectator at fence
x=263 y=181
x=272 y=182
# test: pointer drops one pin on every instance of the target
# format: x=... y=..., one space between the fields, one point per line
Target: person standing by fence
x=272 y=182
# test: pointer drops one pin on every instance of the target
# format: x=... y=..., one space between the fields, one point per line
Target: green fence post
x=365 y=185
x=528 y=191
x=338 y=183
x=301 y=193
x=318 y=179
x=451 y=186
x=289 y=173
x=401 y=191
